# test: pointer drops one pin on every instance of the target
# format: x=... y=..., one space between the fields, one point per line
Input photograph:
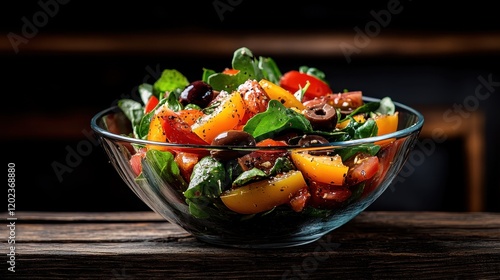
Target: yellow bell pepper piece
x=324 y=169
x=276 y=92
x=264 y=195
x=225 y=117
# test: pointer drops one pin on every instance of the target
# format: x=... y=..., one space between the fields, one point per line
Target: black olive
x=322 y=116
x=311 y=140
x=315 y=140
x=232 y=138
x=197 y=92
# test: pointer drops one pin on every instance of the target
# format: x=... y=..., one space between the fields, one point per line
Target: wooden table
x=140 y=245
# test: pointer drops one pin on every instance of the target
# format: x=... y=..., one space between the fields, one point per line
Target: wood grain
x=375 y=245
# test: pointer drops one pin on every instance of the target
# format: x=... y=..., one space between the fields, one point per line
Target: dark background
x=53 y=90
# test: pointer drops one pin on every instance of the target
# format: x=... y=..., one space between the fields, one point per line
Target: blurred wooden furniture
x=472 y=130
x=141 y=245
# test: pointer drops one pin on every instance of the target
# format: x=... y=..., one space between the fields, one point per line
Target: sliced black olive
x=322 y=116
x=315 y=140
x=197 y=92
x=232 y=138
x=311 y=140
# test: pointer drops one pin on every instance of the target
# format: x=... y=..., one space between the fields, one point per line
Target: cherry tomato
x=294 y=80
x=151 y=104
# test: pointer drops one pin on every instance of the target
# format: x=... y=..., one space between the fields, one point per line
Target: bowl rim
x=397 y=134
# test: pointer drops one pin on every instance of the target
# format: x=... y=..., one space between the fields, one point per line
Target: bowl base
x=257 y=244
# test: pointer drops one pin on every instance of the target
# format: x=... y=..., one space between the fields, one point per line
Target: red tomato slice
x=172 y=128
x=151 y=104
x=386 y=156
x=294 y=80
x=176 y=130
x=135 y=161
x=299 y=201
x=361 y=168
x=327 y=196
x=270 y=143
x=190 y=116
x=186 y=163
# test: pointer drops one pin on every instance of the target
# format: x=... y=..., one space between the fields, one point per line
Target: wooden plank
x=375 y=245
x=48 y=216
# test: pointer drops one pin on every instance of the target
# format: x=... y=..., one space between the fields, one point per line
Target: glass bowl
x=212 y=220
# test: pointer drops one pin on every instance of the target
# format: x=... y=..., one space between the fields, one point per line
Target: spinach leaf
x=253 y=174
x=282 y=164
x=348 y=152
x=387 y=107
x=365 y=108
x=277 y=118
x=164 y=165
x=356 y=130
x=207 y=182
x=142 y=128
x=233 y=170
x=229 y=83
x=133 y=110
x=270 y=69
x=169 y=80
x=145 y=91
x=313 y=72
x=244 y=61
x=207 y=179
x=250 y=68
x=367 y=129
x=207 y=73
x=173 y=100
x=247 y=65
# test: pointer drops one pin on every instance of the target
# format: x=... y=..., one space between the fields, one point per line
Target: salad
x=252 y=104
